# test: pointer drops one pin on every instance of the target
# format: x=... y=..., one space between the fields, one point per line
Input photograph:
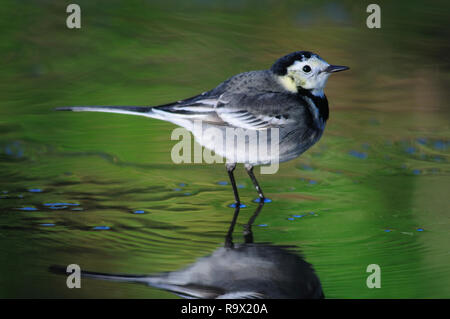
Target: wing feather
x=259 y=111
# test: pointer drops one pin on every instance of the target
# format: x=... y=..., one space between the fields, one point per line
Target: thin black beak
x=336 y=68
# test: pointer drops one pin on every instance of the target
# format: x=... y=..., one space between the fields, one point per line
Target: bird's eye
x=306 y=69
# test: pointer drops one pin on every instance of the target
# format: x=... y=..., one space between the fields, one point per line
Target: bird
x=283 y=106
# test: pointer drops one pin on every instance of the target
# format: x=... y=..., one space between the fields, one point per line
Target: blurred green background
x=374 y=190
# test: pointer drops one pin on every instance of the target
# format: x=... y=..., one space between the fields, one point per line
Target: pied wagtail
x=288 y=97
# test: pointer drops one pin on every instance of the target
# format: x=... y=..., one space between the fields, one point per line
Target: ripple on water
x=27 y=208
x=58 y=207
x=440 y=145
x=421 y=140
x=360 y=155
x=35 y=190
x=101 y=228
x=307 y=167
x=295 y=216
x=61 y=204
x=14 y=149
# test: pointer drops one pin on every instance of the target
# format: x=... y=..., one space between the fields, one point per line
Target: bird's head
x=303 y=69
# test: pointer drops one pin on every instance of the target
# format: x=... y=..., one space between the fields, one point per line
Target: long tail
x=132 y=110
x=144 y=279
x=146 y=111
x=164 y=112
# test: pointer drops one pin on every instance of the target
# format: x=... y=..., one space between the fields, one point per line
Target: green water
x=374 y=190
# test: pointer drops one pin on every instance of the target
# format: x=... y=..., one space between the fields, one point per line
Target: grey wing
x=203 y=106
x=249 y=111
x=200 y=107
x=261 y=111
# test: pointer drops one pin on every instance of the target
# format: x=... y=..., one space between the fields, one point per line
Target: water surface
x=101 y=191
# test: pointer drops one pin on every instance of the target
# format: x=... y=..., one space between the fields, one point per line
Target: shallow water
x=101 y=191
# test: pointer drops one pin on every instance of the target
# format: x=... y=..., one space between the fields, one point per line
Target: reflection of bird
x=246 y=271
x=241 y=271
x=288 y=98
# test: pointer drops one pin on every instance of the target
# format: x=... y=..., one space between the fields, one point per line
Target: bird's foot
x=237 y=204
x=262 y=199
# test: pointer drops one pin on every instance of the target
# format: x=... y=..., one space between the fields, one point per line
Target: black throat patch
x=321 y=102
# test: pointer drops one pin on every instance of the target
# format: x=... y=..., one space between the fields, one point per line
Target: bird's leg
x=230 y=169
x=248 y=234
x=228 y=238
x=249 y=169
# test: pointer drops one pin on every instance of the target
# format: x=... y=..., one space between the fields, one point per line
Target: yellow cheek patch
x=288 y=83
